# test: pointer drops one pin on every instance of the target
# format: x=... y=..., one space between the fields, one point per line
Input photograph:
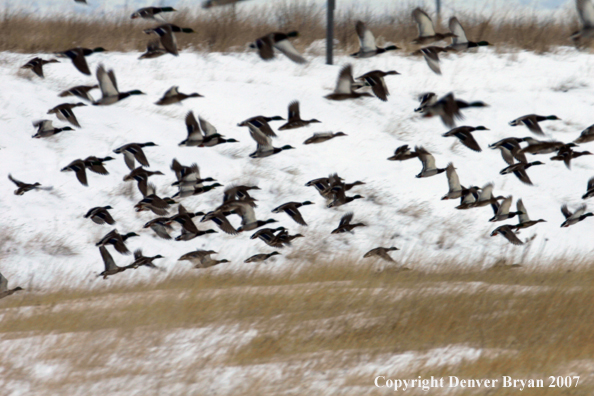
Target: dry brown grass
x=328 y=318
x=227 y=30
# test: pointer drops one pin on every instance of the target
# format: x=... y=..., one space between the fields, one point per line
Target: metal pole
x=330 y=31
x=438 y=8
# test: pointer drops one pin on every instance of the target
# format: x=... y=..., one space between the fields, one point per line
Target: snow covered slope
x=45 y=238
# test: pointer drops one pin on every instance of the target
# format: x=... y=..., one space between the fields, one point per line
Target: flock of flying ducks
x=237 y=199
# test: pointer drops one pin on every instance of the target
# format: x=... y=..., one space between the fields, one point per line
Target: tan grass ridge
x=228 y=30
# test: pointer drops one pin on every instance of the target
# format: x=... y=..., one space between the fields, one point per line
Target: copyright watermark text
x=426 y=384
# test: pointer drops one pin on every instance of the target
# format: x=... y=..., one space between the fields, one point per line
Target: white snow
x=399 y=209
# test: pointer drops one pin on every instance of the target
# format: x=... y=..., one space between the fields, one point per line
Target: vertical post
x=330 y=31
x=438 y=8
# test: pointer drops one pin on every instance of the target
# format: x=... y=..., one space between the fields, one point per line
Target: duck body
x=525 y=221
x=507 y=233
x=367 y=47
x=36 y=65
x=202 y=133
x=78 y=167
x=77 y=56
x=132 y=152
x=160 y=226
x=586 y=136
x=427 y=32
x=375 y=79
x=464 y=134
x=150 y=12
x=100 y=215
x=109 y=88
x=585 y=11
x=64 y=112
x=294 y=119
x=153 y=50
x=141 y=176
x=531 y=122
x=566 y=154
x=167 y=36
x=22 y=187
x=542 y=147
x=292 y=209
x=117 y=240
x=589 y=189
x=268 y=235
x=382 y=253
x=257 y=258
x=446 y=108
x=322 y=137
x=81 y=91
x=403 y=153
x=201 y=258
x=501 y=211
x=46 y=129
x=206 y=4
x=4 y=290
x=459 y=41
x=510 y=149
x=575 y=217
x=428 y=161
x=143 y=261
x=344 y=86
x=345 y=224
x=455 y=189
x=110 y=266
x=266 y=45
x=174 y=96
x=96 y=165
x=519 y=170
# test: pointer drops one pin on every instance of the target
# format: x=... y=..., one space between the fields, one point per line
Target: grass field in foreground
x=322 y=328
